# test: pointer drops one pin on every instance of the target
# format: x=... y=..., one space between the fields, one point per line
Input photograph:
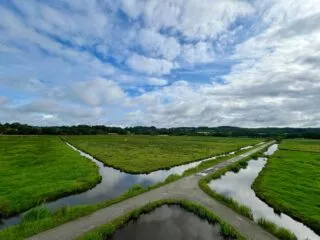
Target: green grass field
x=141 y=154
x=303 y=145
x=290 y=182
x=38 y=168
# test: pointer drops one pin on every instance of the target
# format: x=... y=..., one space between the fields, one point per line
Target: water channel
x=238 y=187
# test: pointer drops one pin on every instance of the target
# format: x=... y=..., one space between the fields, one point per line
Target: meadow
x=290 y=181
x=143 y=154
x=38 y=168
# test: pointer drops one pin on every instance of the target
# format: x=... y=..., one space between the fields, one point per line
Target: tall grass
x=36 y=214
x=279 y=232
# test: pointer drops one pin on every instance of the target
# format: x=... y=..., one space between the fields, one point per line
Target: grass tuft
x=36 y=214
x=279 y=232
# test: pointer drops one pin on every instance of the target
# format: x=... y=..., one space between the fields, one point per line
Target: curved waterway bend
x=238 y=187
x=113 y=184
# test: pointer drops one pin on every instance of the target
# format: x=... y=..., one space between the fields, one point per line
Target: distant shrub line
x=222 y=131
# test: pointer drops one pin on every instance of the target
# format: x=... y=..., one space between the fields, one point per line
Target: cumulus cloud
x=202 y=52
x=151 y=66
x=184 y=104
x=99 y=91
x=51 y=112
x=195 y=19
x=158 y=45
x=157 y=81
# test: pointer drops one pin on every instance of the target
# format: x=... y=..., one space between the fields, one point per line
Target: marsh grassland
x=38 y=168
x=290 y=181
x=142 y=154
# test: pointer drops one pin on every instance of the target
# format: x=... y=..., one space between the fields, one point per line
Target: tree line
x=223 y=131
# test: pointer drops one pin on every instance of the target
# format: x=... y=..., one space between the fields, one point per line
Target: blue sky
x=163 y=63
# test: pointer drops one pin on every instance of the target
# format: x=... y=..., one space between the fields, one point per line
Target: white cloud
x=151 y=66
x=202 y=52
x=158 y=45
x=99 y=91
x=52 y=112
x=195 y=19
x=157 y=81
x=26 y=35
x=184 y=104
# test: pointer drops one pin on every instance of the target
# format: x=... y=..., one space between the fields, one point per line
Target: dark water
x=113 y=184
x=238 y=187
x=168 y=223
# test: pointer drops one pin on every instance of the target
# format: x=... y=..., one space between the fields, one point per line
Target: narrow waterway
x=113 y=184
x=238 y=187
x=170 y=223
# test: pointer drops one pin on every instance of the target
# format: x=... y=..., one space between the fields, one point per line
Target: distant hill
x=223 y=131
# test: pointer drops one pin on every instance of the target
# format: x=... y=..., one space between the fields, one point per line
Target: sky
x=168 y=63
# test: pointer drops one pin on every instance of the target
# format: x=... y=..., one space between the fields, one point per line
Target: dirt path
x=185 y=188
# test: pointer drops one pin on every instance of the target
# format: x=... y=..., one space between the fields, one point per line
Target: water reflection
x=245 y=148
x=168 y=222
x=238 y=187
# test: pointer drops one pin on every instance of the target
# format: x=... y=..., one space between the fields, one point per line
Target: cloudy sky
x=164 y=63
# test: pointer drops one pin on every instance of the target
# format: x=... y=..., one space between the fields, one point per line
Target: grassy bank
x=107 y=230
x=143 y=154
x=34 y=169
x=290 y=181
x=40 y=218
x=243 y=210
x=279 y=232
